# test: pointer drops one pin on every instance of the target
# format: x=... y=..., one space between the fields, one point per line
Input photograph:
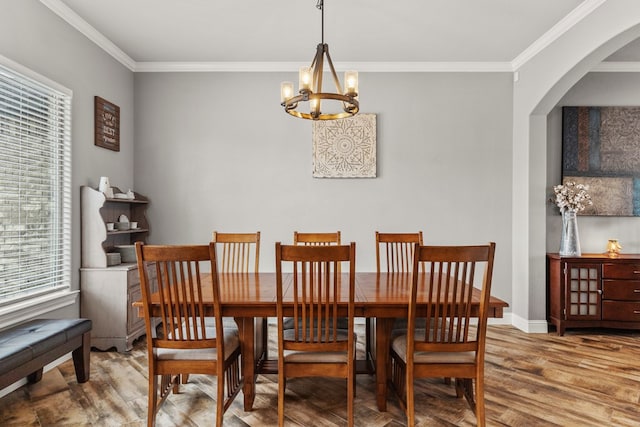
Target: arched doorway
x=542 y=81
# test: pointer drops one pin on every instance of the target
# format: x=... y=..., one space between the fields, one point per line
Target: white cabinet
x=108 y=292
x=106 y=298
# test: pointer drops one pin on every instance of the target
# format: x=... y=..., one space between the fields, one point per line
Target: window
x=35 y=185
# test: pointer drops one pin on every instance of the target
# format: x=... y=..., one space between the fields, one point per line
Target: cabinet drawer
x=134 y=321
x=625 y=290
x=621 y=271
x=621 y=310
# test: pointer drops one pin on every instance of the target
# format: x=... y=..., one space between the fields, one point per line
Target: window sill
x=13 y=314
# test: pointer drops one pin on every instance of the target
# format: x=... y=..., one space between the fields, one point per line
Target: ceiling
x=483 y=34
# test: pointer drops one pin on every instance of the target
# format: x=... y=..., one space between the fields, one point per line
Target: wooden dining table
x=250 y=298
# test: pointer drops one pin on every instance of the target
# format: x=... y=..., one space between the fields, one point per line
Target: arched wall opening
x=542 y=82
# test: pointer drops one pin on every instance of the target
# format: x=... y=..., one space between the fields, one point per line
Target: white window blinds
x=35 y=186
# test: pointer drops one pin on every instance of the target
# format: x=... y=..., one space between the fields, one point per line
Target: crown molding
x=617 y=67
x=564 y=25
x=169 y=67
x=369 y=67
x=575 y=16
x=73 y=19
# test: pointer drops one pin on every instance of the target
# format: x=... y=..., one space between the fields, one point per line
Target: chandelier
x=310 y=92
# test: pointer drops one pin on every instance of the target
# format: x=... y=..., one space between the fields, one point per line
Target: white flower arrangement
x=572 y=197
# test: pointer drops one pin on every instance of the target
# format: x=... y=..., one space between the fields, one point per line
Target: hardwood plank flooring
x=585 y=378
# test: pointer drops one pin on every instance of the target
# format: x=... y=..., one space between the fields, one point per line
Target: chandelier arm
x=319 y=68
x=333 y=72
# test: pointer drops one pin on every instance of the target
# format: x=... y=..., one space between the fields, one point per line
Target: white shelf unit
x=107 y=293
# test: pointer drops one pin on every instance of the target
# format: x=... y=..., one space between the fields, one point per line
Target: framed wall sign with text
x=107 y=121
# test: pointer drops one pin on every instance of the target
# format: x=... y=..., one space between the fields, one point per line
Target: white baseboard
x=529 y=326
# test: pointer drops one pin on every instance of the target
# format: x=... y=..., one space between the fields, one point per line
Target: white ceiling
x=490 y=34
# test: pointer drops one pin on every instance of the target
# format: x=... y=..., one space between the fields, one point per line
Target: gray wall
x=35 y=37
x=215 y=151
x=595 y=89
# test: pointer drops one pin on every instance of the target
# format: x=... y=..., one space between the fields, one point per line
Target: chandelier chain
x=320 y=5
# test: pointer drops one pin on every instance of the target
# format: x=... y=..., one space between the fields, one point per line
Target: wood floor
x=586 y=378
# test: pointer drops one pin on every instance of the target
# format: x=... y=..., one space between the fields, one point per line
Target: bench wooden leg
x=81 y=357
x=35 y=376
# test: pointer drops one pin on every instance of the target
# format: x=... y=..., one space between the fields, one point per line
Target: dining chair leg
x=459 y=385
x=281 y=390
x=153 y=400
x=368 y=336
x=410 y=403
x=351 y=390
x=479 y=401
x=220 y=400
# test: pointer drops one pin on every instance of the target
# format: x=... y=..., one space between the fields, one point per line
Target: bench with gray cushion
x=26 y=348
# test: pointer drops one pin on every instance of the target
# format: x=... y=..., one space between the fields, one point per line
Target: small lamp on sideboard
x=613 y=248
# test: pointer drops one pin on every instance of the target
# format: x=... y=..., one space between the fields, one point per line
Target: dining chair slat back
x=394 y=254
x=449 y=345
x=316 y=239
x=179 y=341
x=394 y=251
x=316 y=345
x=240 y=251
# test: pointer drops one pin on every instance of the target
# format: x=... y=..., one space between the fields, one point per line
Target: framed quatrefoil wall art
x=345 y=148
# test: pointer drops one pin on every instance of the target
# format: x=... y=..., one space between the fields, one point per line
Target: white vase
x=570 y=240
x=105 y=187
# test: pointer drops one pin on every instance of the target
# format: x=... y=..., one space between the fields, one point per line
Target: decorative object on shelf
x=310 y=87
x=113 y=258
x=613 y=248
x=110 y=226
x=107 y=124
x=571 y=198
x=127 y=252
x=599 y=149
x=345 y=148
x=129 y=195
x=105 y=187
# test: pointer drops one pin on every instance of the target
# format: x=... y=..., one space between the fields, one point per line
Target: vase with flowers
x=571 y=198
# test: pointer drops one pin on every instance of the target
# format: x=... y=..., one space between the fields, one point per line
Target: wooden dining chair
x=317 y=239
x=240 y=251
x=394 y=254
x=183 y=344
x=394 y=251
x=316 y=346
x=457 y=350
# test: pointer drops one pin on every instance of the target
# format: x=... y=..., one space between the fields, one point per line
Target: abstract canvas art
x=601 y=148
x=345 y=148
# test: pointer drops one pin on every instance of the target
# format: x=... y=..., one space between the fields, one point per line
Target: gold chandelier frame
x=314 y=94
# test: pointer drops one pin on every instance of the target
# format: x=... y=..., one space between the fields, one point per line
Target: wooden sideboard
x=593 y=290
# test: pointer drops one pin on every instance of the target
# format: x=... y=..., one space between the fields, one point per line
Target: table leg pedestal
x=246 y=329
x=383 y=333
